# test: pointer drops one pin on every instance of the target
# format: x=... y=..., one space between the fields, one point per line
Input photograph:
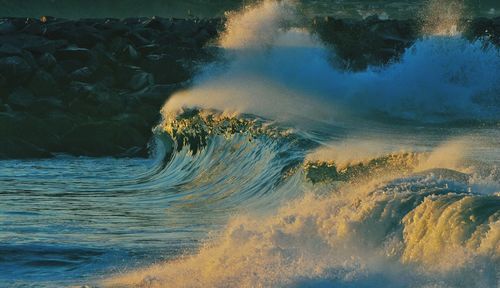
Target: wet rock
x=15 y=69
x=157 y=95
x=156 y=23
x=30 y=59
x=16 y=148
x=33 y=43
x=9 y=50
x=165 y=68
x=140 y=80
x=7 y=27
x=84 y=74
x=137 y=39
x=21 y=99
x=102 y=139
x=47 y=61
x=80 y=89
x=59 y=77
x=123 y=73
x=28 y=128
x=3 y=86
x=71 y=65
x=88 y=37
x=43 y=84
x=128 y=53
x=73 y=53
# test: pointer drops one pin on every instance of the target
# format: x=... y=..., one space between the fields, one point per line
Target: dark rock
x=21 y=99
x=80 y=89
x=128 y=53
x=73 y=53
x=95 y=100
x=9 y=50
x=6 y=108
x=156 y=95
x=28 y=128
x=113 y=28
x=15 y=148
x=148 y=49
x=33 y=43
x=71 y=65
x=30 y=59
x=47 y=61
x=35 y=28
x=88 y=37
x=45 y=106
x=59 y=74
x=84 y=74
x=155 y=23
x=140 y=80
x=123 y=73
x=137 y=39
x=3 y=86
x=102 y=139
x=15 y=69
x=165 y=68
x=184 y=28
x=7 y=27
x=43 y=84
x=88 y=79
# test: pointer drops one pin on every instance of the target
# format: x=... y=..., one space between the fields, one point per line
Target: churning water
x=277 y=170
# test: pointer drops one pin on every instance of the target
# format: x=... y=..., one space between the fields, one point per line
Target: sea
x=275 y=168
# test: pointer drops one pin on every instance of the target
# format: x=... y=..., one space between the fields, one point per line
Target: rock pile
x=372 y=41
x=93 y=86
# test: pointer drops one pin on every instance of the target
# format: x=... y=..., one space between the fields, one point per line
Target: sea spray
x=429 y=222
x=286 y=75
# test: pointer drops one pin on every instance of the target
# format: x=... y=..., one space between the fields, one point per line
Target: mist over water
x=442 y=77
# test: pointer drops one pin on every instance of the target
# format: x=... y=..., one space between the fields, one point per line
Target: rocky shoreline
x=94 y=87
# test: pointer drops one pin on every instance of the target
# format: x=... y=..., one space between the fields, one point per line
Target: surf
x=300 y=151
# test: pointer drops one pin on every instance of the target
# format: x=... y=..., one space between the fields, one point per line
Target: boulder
x=8 y=49
x=157 y=94
x=15 y=148
x=7 y=27
x=21 y=99
x=43 y=84
x=73 y=53
x=47 y=61
x=15 y=69
x=28 y=128
x=140 y=80
x=46 y=106
x=166 y=69
x=128 y=53
x=84 y=74
x=106 y=138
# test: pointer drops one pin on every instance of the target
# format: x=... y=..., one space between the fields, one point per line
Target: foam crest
x=277 y=71
x=442 y=18
x=351 y=237
x=255 y=25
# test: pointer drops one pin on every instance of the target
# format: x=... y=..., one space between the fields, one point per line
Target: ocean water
x=275 y=169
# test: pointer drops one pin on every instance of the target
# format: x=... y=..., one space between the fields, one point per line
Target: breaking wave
x=332 y=177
